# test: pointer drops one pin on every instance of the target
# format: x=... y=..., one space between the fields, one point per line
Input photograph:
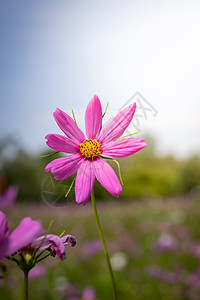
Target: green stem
x=26 y=285
x=104 y=246
x=44 y=257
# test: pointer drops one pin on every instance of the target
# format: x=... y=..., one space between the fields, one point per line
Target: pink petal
x=8 y=197
x=123 y=147
x=65 y=166
x=93 y=118
x=37 y=272
x=53 y=241
x=62 y=143
x=115 y=128
x=107 y=177
x=4 y=236
x=45 y=244
x=4 y=231
x=66 y=239
x=84 y=182
x=88 y=293
x=68 y=126
x=27 y=231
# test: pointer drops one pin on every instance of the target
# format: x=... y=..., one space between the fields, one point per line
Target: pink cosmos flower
x=25 y=239
x=56 y=243
x=11 y=242
x=8 y=197
x=86 y=154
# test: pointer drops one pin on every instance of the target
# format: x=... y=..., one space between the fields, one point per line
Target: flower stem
x=104 y=246
x=26 y=285
x=43 y=256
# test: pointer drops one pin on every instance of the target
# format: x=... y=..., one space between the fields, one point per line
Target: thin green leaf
x=105 y=110
x=69 y=190
x=74 y=117
x=50 y=154
x=50 y=225
x=126 y=136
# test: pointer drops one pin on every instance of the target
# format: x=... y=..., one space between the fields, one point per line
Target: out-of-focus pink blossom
x=88 y=293
x=73 y=292
x=194 y=278
x=166 y=243
x=87 y=153
x=92 y=248
x=8 y=196
x=196 y=249
x=37 y=272
x=172 y=277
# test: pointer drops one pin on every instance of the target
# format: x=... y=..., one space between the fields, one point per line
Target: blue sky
x=59 y=53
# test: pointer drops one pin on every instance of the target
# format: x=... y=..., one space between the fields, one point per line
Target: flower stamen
x=90 y=148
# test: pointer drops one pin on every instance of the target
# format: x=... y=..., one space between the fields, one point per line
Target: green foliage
x=149 y=175
x=24 y=171
x=145 y=174
x=190 y=174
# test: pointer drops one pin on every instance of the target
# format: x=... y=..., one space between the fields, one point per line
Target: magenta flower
x=24 y=247
x=8 y=197
x=86 y=154
x=12 y=242
x=55 y=243
x=24 y=239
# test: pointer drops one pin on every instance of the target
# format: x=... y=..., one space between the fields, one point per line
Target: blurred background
x=59 y=54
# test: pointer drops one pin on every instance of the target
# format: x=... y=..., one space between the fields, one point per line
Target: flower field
x=154 y=247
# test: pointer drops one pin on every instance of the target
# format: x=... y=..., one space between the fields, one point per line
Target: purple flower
x=92 y=248
x=171 y=277
x=8 y=196
x=87 y=153
x=196 y=250
x=56 y=243
x=25 y=239
x=12 y=242
x=166 y=243
x=88 y=293
x=194 y=278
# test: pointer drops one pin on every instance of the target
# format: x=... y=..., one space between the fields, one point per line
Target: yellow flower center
x=90 y=148
x=27 y=257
